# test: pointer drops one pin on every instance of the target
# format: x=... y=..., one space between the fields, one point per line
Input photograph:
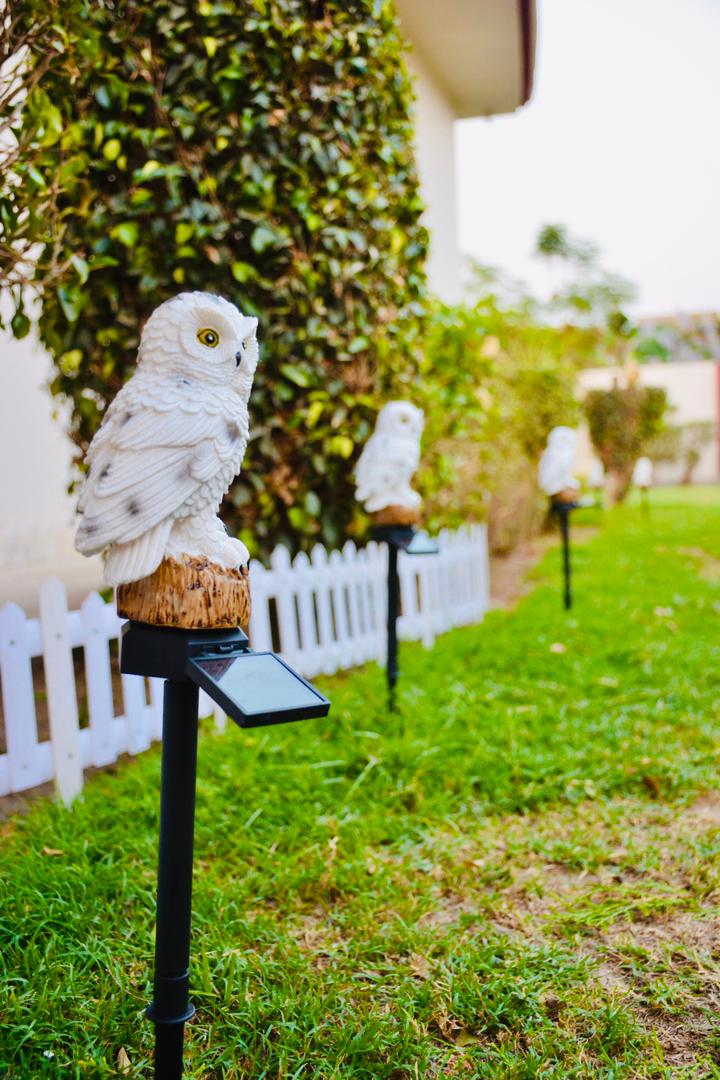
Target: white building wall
x=693 y=389
x=36 y=528
x=435 y=154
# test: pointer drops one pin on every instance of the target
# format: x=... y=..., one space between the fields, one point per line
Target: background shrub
x=494 y=380
x=623 y=420
x=259 y=150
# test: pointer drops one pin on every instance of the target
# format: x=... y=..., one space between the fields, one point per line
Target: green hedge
x=261 y=150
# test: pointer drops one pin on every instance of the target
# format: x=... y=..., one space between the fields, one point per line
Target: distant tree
x=623 y=420
x=556 y=242
x=589 y=294
x=682 y=444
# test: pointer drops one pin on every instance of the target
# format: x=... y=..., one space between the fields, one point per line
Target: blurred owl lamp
x=557 y=466
x=388 y=463
x=642 y=478
x=383 y=477
x=166 y=452
x=168 y=448
x=556 y=479
x=643 y=473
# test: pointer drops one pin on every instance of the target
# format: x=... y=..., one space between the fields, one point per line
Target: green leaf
x=297 y=518
x=296 y=375
x=150 y=168
x=112 y=149
x=71 y=361
x=82 y=267
x=183 y=231
x=313 y=504
x=37 y=176
x=71 y=302
x=20 y=324
x=314 y=412
x=126 y=232
x=341 y=446
x=263 y=238
x=242 y=272
x=99 y=262
x=53 y=126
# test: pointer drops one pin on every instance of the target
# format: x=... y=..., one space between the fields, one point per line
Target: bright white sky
x=620 y=142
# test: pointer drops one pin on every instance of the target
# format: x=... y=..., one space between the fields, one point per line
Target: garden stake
x=398 y=538
x=393 y=606
x=254 y=689
x=555 y=476
x=171 y=1007
x=563 y=510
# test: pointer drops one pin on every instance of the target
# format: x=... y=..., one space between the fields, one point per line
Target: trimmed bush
x=623 y=420
x=261 y=150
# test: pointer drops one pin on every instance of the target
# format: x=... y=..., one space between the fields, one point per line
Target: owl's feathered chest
x=182 y=426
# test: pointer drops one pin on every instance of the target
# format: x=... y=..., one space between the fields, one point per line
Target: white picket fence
x=329 y=614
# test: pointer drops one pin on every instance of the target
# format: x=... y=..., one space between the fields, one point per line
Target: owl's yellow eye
x=208 y=337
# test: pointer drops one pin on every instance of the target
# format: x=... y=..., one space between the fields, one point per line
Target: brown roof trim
x=527 y=27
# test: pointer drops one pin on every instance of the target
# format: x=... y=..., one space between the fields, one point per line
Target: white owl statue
x=643 y=473
x=389 y=461
x=557 y=464
x=171 y=443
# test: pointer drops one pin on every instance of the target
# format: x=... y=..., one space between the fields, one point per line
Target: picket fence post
x=61 y=690
x=18 y=701
x=98 y=678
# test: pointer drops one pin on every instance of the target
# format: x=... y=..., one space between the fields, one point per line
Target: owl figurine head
x=402 y=420
x=204 y=337
x=562 y=440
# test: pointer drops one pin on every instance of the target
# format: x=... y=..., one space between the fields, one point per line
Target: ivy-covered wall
x=261 y=150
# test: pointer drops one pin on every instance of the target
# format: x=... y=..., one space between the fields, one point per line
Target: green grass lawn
x=515 y=876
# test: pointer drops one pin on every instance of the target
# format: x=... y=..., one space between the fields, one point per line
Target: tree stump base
x=191 y=593
x=568 y=495
x=396 y=515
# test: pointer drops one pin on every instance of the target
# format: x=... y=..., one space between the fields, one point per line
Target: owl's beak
x=238 y=358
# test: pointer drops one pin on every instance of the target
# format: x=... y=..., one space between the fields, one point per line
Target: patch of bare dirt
x=709 y=566
x=679 y=947
x=509 y=574
x=663 y=964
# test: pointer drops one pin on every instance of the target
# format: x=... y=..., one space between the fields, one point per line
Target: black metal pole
x=171 y=1001
x=392 y=617
x=564 y=512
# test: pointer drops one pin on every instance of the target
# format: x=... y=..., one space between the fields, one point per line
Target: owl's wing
x=367 y=465
x=145 y=462
x=384 y=461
